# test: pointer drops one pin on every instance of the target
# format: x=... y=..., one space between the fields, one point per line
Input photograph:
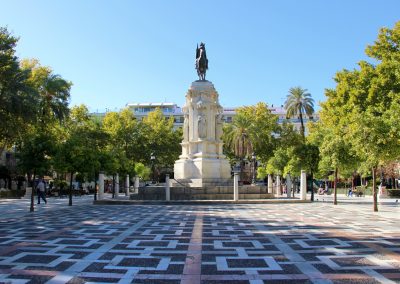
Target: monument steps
x=202 y=193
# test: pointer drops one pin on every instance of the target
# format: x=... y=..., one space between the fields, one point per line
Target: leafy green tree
x=365 y=104
x=34 y=155
x=142 y=171
x=76 y=152
x=277 y=163
x=125 y=138
x=376 y=139
x=299 y=102
x=17 y=99
x=161 y=140
x=285 y=154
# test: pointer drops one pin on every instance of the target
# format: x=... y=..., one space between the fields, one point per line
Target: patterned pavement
x=254 y=243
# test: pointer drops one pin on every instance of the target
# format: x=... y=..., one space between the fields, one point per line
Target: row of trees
x=85 y=146
x=358 y=131
x=280 y=148
x=49 y=137
x=359 y=128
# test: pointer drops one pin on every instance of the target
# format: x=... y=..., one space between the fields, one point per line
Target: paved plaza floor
x=247 y=243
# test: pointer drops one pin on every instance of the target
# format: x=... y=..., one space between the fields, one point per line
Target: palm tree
x=55 y=93
x=52 y=91
x=298 y=101
x=237 y=138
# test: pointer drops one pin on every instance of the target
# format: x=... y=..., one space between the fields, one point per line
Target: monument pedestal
x=202 y=162
x=201 y=172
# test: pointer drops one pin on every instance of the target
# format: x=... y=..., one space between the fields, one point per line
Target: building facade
x=141 y=110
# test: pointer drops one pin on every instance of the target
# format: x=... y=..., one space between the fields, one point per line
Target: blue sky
x=117 y=52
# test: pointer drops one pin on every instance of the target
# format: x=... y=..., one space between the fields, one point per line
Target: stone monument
x=202 y=162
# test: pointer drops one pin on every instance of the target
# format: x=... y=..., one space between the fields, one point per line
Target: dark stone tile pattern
x=274 y=243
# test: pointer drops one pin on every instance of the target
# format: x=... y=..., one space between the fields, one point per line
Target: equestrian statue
x=201 y=61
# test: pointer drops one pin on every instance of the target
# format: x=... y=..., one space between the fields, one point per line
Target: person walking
x=41 y=191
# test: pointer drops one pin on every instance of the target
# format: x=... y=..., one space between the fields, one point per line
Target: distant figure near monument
x=201 y=62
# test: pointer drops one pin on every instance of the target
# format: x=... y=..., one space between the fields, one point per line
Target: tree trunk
x=352 y=181
x=374 y=193
x=335 y=188
x=95 y=186
x=302 y=130
x=312 y=186
x=32 y=208
x=70 y=190
x=241 y=169
x=9 y=182
x=113 y=187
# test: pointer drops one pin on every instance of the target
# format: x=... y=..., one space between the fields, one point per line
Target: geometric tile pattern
x=253 y=243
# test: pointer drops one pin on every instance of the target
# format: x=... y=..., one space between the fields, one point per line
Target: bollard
x=303 y=185
x=167 y=189
x=101 y=186
x=136 y=185
x=288 y=185
x=236 y=186
x=127 y=185
x=278 y=185
x=116 y=186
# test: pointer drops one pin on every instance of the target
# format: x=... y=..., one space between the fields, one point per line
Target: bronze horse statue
x=201 y=62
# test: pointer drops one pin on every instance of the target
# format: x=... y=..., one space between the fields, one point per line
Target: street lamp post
x=152 y=159
x=254 y=159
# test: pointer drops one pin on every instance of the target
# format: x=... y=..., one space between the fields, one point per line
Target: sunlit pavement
x=255 y=243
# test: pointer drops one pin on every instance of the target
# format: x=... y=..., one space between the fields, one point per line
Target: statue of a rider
x=201 y=61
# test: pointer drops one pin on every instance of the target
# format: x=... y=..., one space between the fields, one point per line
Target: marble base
x=200 y=172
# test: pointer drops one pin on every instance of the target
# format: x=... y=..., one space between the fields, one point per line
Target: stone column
x=127 y=185
x=236 y=186
x=101 y=186
x=270 y=186
x=116 y=185
x=167 y=192
x=303 y=185
x=288 y=185
x=278 y=185
x=136 y=185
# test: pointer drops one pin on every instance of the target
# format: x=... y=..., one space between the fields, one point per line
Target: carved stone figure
x=218 y=127
x=201 y=61
x=202 y=126
x=186 y=128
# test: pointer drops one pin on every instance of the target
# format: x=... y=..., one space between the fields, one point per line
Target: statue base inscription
x=202 y=161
